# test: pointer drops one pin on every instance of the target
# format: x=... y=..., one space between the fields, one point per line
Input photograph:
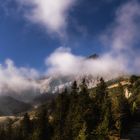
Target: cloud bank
x=123 y=35
x=63 y=62
x=14 y=80
x=51 y=14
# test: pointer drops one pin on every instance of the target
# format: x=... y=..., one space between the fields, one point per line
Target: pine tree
x=80 y=112
x=42 y=130
x=124 y=109
x=74 y=88
x=101 y=91
x=62 y=108
x=9 y=130
x=26 y=126
x=104 y=106
x=83 y=86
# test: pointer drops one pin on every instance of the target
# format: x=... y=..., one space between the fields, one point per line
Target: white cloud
x=63 y=62
x=52 y=14
x=127 y=25
x=124 y=31
x=14 y=81
x=123 y=34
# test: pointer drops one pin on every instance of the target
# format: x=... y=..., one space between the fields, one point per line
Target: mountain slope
x=11 y=106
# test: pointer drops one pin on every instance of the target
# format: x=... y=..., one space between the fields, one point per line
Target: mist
x=18 y=82
x=63 y=62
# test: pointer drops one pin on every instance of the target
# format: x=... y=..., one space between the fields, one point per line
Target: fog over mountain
x=16 y=81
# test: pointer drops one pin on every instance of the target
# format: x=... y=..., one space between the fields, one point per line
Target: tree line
x=76 y=115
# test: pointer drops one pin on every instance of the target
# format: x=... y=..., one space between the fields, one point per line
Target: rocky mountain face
x=93 y=56
x=57 y=83
x=48 y=84
x=14 y=102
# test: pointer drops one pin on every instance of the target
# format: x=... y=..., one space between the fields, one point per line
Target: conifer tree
x=124 y=109
x=62 y=107
x=104 y=106
x=9 y=131
x=26 y=125
x=42 y=130
x=101 y=91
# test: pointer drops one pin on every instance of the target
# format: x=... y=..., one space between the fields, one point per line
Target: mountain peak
x=93 y=56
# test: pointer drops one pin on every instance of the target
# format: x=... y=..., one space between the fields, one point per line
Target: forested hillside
x=81 y=114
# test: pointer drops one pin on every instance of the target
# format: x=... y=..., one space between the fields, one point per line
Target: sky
x=28 y=40
x=53 y=38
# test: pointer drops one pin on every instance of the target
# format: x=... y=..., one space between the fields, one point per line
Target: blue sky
x=28 y=43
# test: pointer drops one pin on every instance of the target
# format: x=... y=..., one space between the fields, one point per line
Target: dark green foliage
x=101 y=91
x=42 y=130
x=134 y=100
x=61 y=111
x=133 y=79
x=26 y=125
x=124 y=109
x=75 y=115
x=104 y=108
